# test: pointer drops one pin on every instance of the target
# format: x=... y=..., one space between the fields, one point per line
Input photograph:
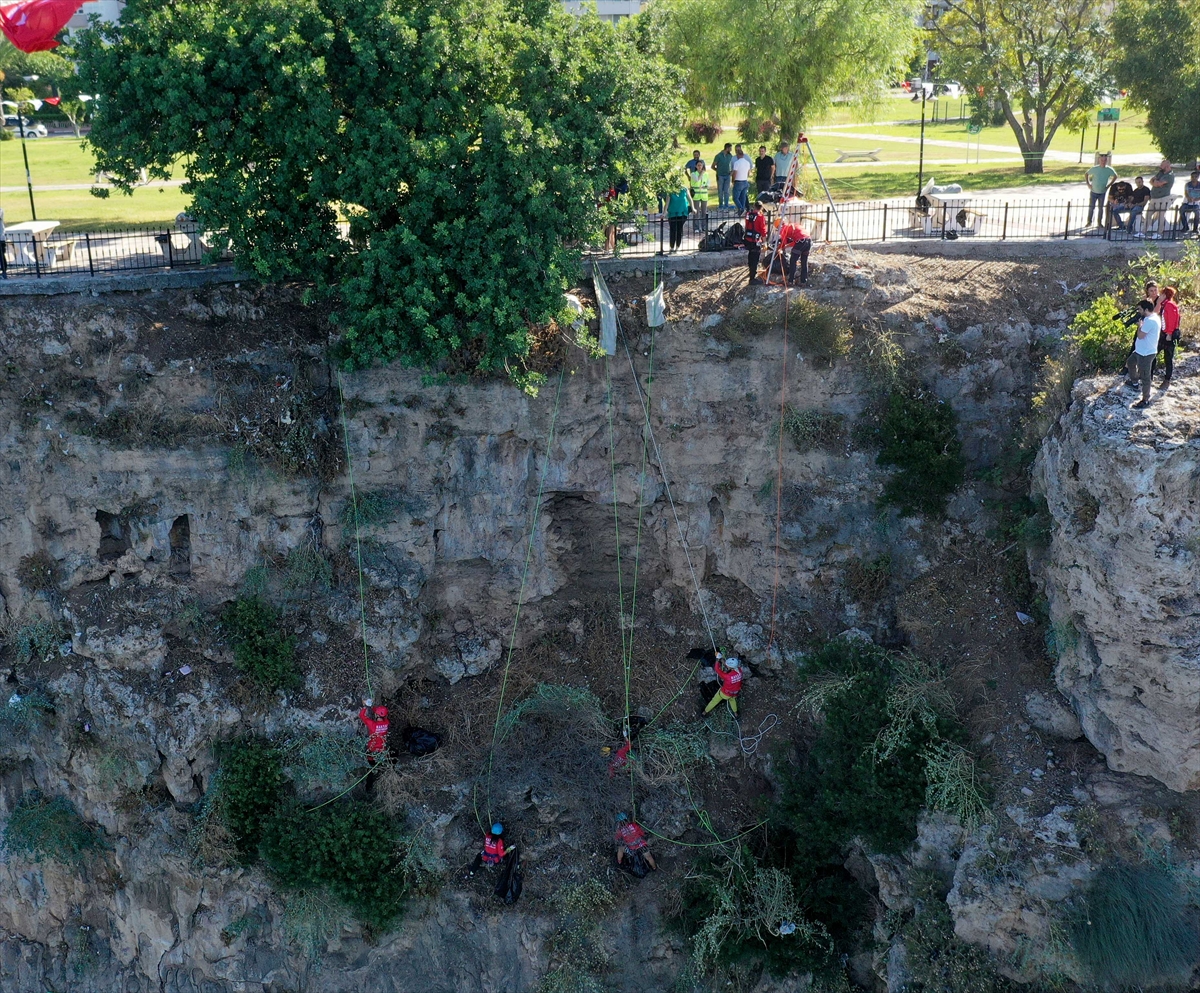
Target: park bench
x=872 y=155
x=1156 y=216
x=185 y=243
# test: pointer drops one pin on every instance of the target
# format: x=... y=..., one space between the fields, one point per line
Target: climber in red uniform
x=756 y=234
x=793 y=236
x=729 y=672
x=493 y=848
x=376 y=720
x=631 y=839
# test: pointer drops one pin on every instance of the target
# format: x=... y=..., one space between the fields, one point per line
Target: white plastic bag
x=656 y=309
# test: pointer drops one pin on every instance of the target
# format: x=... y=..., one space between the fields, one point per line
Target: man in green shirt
x=1099 y=178
x=723 y=166
x=1162 y=181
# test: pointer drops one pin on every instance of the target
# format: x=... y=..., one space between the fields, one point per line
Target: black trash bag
x=714 y=241
x=512 y=879
x=635 y=864
x=419 y=741
x=735 y=235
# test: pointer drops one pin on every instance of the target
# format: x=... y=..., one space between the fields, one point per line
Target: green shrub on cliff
x=349 y=849
x=260 y=648
x=1135 y=928
x=918 y=437
x=1102 y=336
x=248 y=787
x=48 y=829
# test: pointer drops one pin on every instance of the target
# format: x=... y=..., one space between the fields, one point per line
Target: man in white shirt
x=740 y=170
x=1145 y=348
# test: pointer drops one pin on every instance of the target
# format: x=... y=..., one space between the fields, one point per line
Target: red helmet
x=381 y=712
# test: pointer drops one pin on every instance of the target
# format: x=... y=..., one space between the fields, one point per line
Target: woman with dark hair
x=679 y=205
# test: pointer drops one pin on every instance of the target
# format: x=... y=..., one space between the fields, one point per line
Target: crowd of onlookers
x=1116 y=204
x=1156 y=319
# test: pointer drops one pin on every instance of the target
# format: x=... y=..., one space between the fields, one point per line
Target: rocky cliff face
x=1121 y=574
x=162 y=452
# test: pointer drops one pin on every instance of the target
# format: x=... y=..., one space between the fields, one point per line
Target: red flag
x=32 y=24
x=53 y=101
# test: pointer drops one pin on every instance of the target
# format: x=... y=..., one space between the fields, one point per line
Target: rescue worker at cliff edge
x=631 y=839
x=376 y=720
x=493 y=848
x=754 y=237
x=729 y=672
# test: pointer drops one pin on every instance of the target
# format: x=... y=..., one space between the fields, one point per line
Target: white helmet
x=733 y=663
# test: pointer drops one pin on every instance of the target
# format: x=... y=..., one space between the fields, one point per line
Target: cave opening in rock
x=181 y=546
x=114 y=536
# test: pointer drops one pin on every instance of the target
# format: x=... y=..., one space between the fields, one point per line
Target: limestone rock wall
x=1121 y=574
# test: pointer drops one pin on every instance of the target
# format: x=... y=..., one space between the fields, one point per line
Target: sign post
x=1108 y=115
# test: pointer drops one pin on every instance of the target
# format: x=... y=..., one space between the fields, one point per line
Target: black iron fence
x=36 y=250
x=878 y=221
x=32 y=249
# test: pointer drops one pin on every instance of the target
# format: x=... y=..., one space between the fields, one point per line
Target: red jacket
x=789 y=234
x=632 y=836
x=1170 y=318
x=378 y=731
x=756 y=230
x=493 y=849
x=731 y=679
x=619 y=760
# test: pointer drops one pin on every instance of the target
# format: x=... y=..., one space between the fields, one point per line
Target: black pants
x=753 y=254
x=800 y=252
x=676 y=224
x=1167 y=347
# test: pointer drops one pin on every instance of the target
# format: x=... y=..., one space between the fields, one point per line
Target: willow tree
x=1039 y=60
x=786 y=59
x=465 y=142
x=1158 y=60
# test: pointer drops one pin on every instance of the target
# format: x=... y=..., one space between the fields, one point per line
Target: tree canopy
x=1040 y=60
x=465 y=142
x=1158 y=60
x=786 y=59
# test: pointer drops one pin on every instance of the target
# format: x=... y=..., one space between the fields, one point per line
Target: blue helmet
x=622 y=817
x=497 y=828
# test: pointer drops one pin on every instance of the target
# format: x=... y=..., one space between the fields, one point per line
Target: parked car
x=33 y=129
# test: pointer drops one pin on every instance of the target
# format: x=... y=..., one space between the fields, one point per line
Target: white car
x=33 y=129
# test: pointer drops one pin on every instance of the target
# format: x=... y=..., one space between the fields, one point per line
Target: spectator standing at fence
x=699 y=182
x=1191 y=204
x=1134 y=206
x=722 y=166
x=740 y=170
x=783 y=162
x=1145 y=348
x=3 y=247
x=693 y=161
x=1168 y=337
x=755 y=236
x=679 y=205
x=764 y=171
x=1099 y=177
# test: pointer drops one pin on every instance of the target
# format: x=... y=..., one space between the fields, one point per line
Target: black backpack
x=714 y=241
x=735 y=236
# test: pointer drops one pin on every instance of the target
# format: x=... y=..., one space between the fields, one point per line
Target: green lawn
x=63 y=161
x=869 y=183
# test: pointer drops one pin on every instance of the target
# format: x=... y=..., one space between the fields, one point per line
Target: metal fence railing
x=878 y=221
x=33 y=252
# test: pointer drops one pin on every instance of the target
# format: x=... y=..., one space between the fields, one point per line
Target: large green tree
x=465 y=142
x=1158 y=60
x=786 y=59
x=1039 y=60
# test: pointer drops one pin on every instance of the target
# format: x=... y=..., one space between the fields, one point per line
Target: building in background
x=609 y=10
x=106 y=10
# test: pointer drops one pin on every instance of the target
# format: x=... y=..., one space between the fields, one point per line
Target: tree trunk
x=1033 y=163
